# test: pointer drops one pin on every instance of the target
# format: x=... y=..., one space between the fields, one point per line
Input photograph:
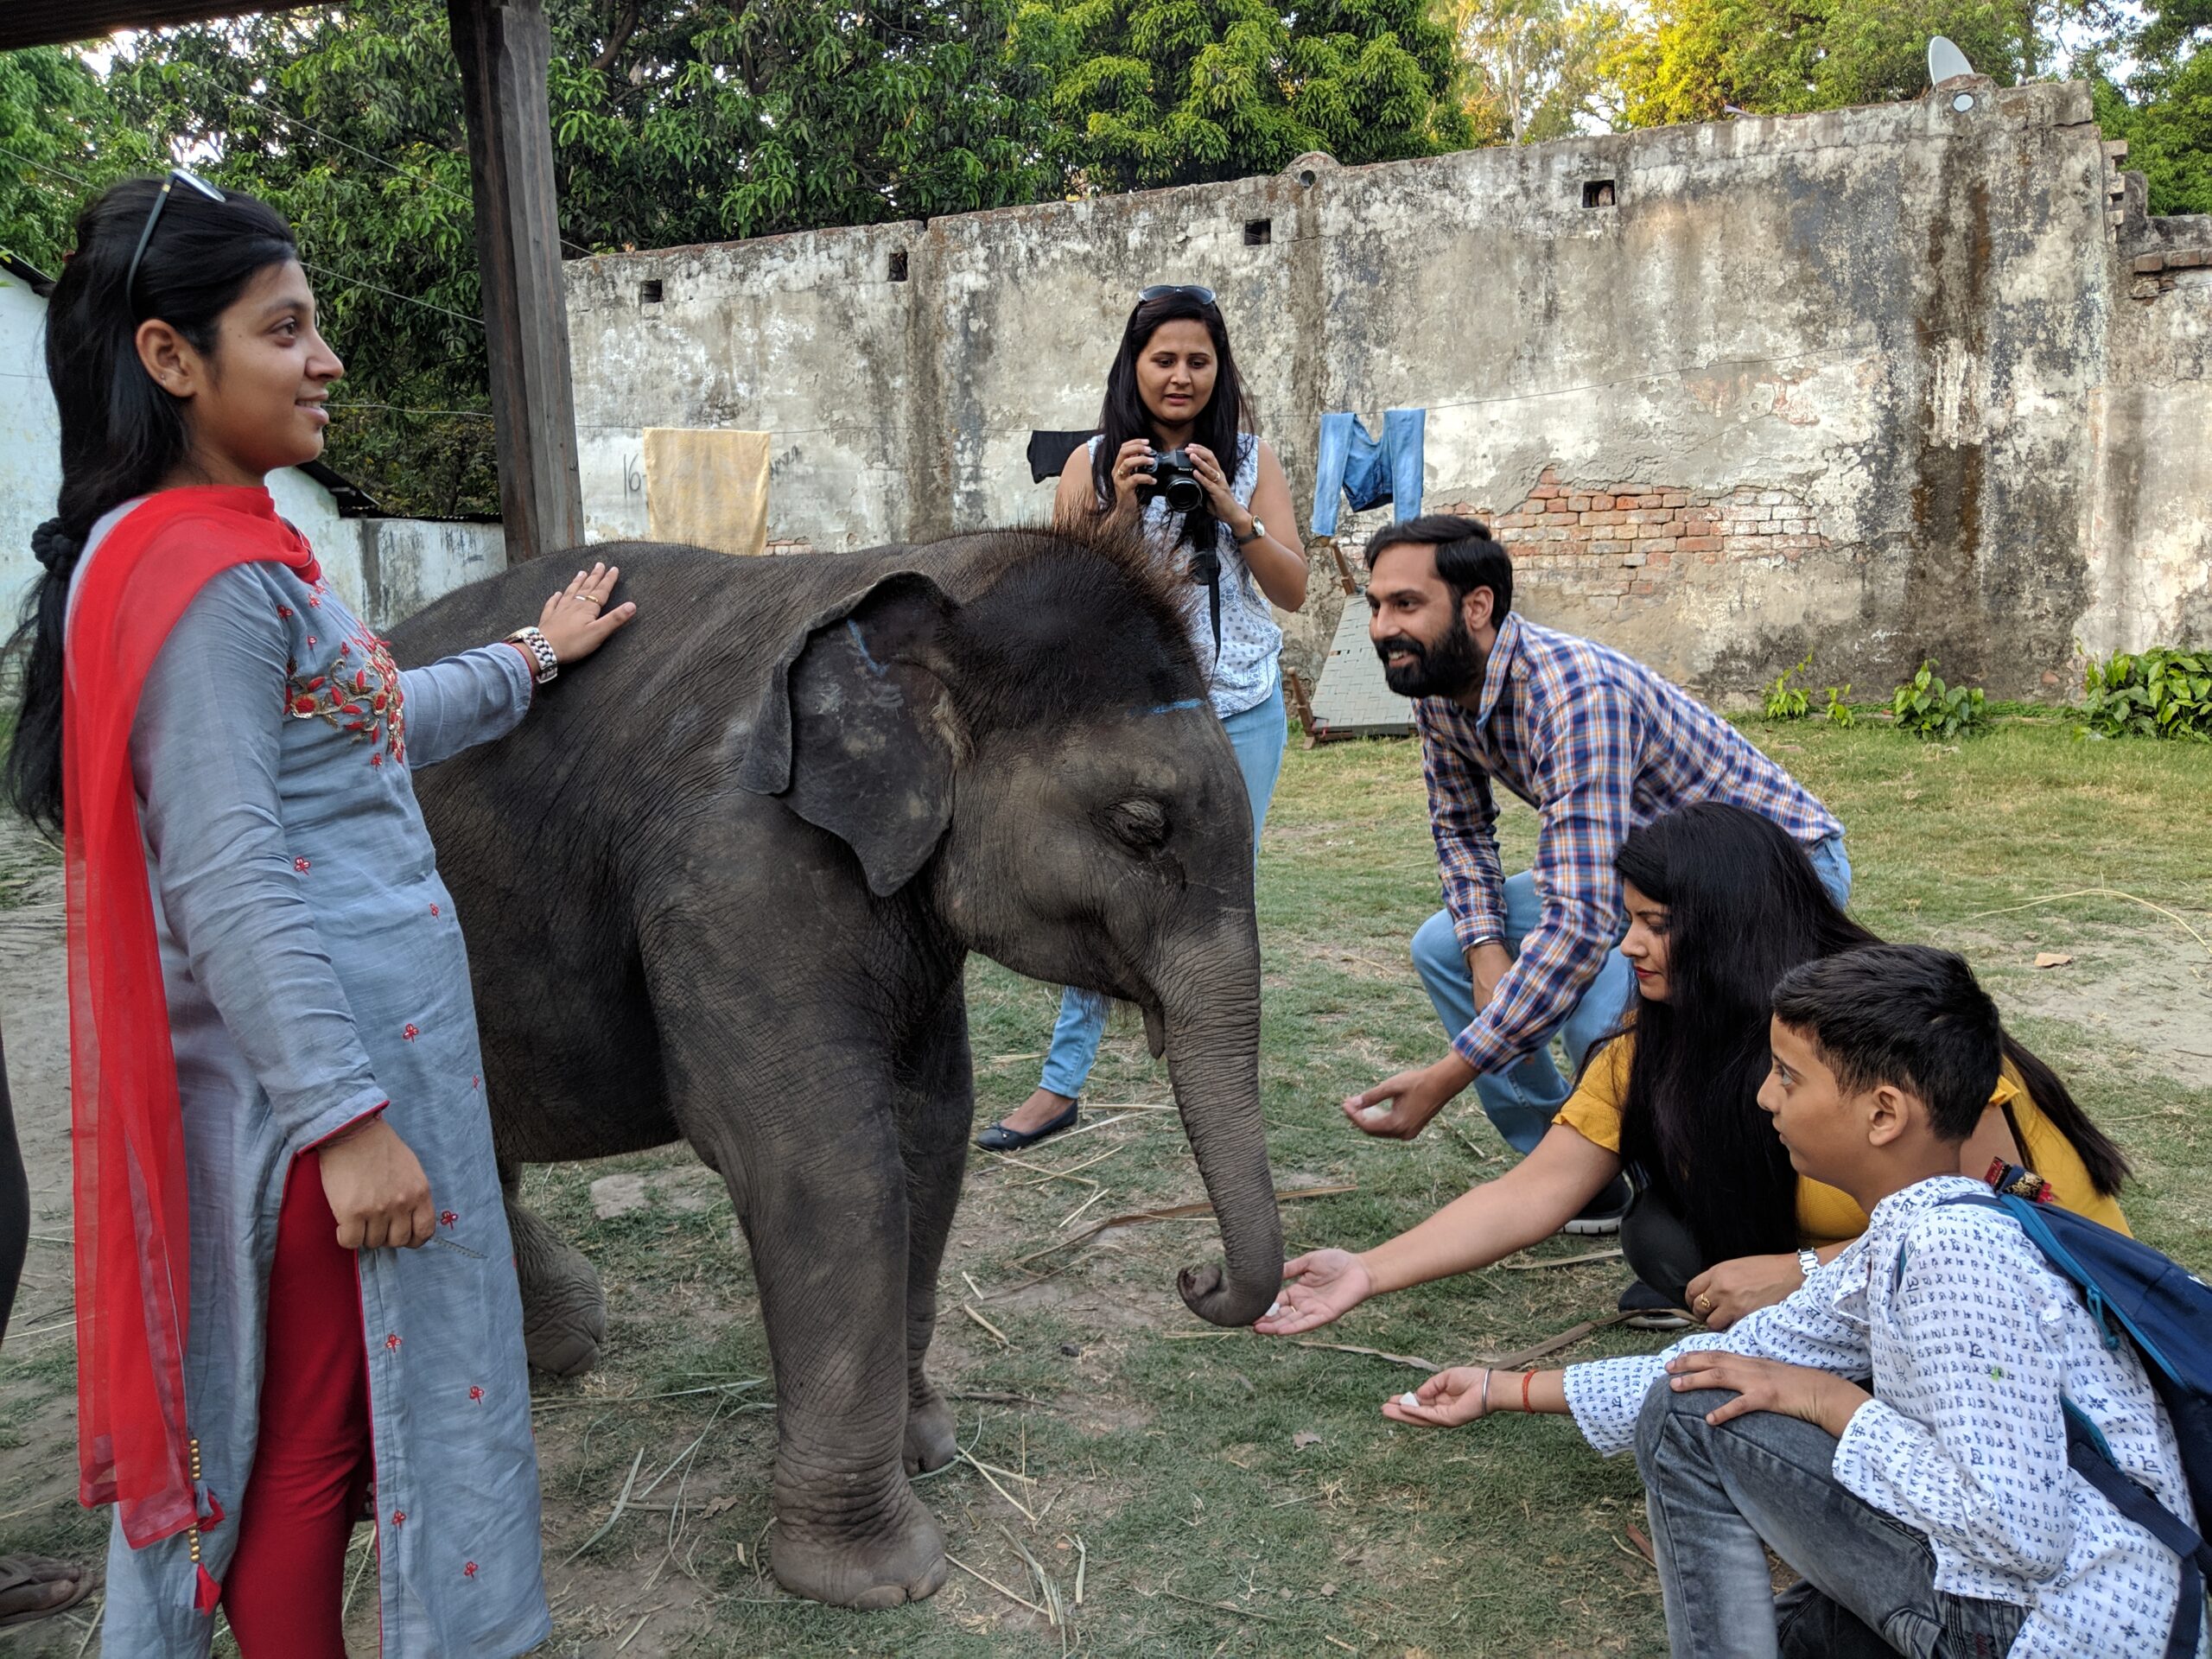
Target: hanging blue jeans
x=1522 y=1100
x=1352 y=464
x=1259 y=736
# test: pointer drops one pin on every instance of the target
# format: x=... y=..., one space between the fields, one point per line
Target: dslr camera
x=1175 y=476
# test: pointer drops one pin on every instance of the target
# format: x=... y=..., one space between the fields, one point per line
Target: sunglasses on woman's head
x=154 y=218
x=1161 y=290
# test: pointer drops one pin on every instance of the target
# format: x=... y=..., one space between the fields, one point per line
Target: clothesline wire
x=339 y=277
x=419 y=177
x=395 y=408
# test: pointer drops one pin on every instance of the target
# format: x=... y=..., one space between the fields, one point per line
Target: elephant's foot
x=897 y=1558
x=932 y=1429
x=563 y=1315
x=564 y=1341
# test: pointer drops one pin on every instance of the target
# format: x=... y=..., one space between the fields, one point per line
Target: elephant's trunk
x=1212 y=1029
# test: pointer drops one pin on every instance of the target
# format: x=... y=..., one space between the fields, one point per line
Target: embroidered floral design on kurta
x=364 y=703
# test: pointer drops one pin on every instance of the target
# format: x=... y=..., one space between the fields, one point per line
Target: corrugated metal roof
x=40 y=22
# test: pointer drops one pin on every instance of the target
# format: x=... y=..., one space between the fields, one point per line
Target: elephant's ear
x=856 y=730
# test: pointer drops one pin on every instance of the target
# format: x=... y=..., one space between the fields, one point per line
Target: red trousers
x=312 y=1463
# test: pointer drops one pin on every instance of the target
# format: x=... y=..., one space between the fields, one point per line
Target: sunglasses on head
x=1161 y=290
x=154 y=218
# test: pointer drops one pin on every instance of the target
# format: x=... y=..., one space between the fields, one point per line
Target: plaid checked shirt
x=1599 y=745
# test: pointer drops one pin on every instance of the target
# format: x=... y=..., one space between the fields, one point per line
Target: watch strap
x=541 y=651
x=1258 y=530
x=1808 y=1262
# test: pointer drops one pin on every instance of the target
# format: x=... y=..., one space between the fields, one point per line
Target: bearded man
x=1599 y=745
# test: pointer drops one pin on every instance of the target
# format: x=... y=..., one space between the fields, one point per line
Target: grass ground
x=1221 y=1493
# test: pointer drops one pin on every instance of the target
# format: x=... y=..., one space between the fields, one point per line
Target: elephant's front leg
x=937 y=1111
x=812 y=1159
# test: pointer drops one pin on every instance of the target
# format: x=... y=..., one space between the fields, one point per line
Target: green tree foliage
x=1538 y=69
x=2164 y=106
x=56 y=127
x=1700 y=57
x=1146 y=93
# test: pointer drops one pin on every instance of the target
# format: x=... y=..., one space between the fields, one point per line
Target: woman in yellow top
x=1721 y=904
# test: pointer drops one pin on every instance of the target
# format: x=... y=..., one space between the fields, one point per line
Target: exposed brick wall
x=1616 y=546
x=2153 y=274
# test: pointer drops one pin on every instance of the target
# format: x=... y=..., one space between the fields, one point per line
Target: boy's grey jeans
x=1868 y=1587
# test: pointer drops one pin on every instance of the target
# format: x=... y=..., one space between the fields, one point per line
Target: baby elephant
x=722 y=886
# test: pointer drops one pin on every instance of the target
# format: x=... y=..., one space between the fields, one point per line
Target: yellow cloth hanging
x=709 y=489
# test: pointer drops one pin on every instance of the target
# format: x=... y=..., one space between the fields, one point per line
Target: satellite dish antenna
x=1946 y=62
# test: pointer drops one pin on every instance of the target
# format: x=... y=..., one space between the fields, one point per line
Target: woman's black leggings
x=1659 y=1246
x=14 y=1202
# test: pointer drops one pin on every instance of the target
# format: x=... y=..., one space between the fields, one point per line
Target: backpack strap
x=2091 y=1457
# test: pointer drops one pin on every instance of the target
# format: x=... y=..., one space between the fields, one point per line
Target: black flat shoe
x=1649 y=1310
x=999 y=1138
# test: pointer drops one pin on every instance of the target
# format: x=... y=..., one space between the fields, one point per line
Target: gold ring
x=589 y=600
x=1704 y=1303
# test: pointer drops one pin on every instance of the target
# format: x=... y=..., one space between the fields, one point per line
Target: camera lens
x=1182 y=493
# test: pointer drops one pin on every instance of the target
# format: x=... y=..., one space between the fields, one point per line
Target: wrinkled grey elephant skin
x=720 y=886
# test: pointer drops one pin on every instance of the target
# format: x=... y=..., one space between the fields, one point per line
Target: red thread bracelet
x=1527 y=1377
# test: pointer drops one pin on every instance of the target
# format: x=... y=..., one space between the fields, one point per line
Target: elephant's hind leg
x=563 y=1310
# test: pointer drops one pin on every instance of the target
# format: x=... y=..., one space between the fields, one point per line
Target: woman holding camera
x=1174 y=459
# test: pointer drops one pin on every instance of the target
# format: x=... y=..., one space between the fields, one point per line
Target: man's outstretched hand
x=1399 y=1108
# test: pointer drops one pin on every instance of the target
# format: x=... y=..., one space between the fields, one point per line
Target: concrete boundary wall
x=1886 y=377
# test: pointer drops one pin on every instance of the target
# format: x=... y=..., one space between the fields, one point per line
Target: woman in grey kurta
x=315 y=969
x=228 y=718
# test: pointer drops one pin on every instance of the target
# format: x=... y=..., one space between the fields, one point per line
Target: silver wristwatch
x=1258 y=530
x=1808 y=1262
x=541 y=651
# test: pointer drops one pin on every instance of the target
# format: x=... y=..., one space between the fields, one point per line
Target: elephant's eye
x=1141 y=825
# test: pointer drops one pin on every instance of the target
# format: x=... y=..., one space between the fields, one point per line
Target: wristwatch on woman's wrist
x=541 y=652
x=1254 y=534
x=1808 y=1262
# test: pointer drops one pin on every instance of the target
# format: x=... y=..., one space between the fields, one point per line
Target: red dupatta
x=134 y=1279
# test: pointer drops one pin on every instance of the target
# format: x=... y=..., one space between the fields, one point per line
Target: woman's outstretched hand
x=377 y=1190
x=1319 y=1286
x=578 y=620
x=1446 y=1401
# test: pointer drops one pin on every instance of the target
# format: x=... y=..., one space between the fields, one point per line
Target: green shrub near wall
x=2157 y=693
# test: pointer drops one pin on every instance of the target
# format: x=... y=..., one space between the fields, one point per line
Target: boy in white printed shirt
x=1936 y=1515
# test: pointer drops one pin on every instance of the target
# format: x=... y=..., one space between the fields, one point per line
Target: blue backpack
x=2166 y=1311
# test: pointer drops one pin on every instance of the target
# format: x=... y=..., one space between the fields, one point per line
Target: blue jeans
x=1522 y=1099
x=1717 y=1498
x=1350 y=463
x=1259 y=736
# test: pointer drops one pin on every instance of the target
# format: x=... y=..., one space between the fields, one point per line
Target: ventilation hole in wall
x=899 y=264
x=649 y=293
x=1598 y=193
x=1306 y=176
x=1258 y=232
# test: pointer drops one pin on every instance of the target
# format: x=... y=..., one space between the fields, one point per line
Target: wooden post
x=505 y=48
